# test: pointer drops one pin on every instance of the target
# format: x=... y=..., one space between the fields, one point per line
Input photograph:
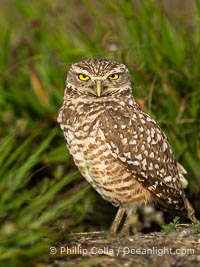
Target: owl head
x=98 y=77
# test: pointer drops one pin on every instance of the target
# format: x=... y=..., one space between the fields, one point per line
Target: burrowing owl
x=118 y=148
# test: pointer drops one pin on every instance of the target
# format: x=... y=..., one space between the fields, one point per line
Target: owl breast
x=97 y=163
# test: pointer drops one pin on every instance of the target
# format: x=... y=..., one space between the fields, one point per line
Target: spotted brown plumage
x=117 y=147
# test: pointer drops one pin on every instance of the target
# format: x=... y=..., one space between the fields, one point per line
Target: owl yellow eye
x=114 y=76
x=83 y=77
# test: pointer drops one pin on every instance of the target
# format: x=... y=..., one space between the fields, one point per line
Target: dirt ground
x=181 y=247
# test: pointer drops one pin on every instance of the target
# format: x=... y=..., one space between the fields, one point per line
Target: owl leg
x=131 y=220
x=115 y=225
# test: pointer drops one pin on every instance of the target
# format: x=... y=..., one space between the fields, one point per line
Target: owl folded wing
x=142 y=147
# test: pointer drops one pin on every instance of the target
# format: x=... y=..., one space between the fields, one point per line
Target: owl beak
x=98 y=88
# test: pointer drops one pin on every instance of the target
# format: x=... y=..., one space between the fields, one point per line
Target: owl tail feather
x=190 y=211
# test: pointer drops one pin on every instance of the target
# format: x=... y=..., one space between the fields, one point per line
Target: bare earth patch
x=181 y=247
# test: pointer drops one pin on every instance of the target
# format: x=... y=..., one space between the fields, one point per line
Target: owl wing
x=138 y=143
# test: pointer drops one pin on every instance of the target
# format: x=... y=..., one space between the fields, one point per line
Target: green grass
x=168 y=228
x=42 y=195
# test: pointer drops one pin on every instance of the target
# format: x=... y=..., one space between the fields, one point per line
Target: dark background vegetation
x=42 y=195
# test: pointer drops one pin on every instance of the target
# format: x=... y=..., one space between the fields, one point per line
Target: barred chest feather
x=81 y=124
